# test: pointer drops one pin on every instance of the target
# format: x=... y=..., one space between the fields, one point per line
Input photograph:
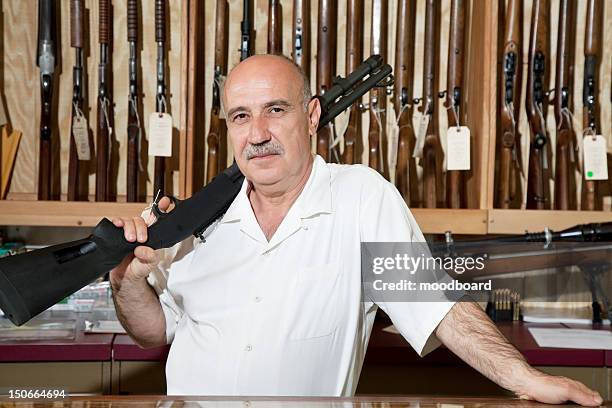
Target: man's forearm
x=468 y=332
x=140 y=312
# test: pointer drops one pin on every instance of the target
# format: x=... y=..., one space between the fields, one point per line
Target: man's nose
x=259 y=132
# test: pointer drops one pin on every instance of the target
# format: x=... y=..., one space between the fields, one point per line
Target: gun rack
x=190 y=62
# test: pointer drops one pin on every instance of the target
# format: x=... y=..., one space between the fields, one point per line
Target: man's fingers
x=141 y=229
x=582 y=395
x=129 y=230
x=145 y=254
x=117 y=222
x=164 y=203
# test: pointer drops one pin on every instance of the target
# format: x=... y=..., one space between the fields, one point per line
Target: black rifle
x=32 y=282
x=159 y=179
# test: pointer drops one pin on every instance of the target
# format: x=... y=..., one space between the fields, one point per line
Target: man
x=271 y=302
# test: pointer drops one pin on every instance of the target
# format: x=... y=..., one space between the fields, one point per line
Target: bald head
x=262 y=67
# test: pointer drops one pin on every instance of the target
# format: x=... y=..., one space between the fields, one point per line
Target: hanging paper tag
x=393 y=140
x=160 y=134
x=81 y=137
x=458 y=148
x=595 y=158
x=420 y=142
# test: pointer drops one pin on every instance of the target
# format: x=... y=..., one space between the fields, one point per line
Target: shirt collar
x=314 y=199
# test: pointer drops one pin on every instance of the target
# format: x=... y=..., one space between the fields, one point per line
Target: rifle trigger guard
x=159 y=214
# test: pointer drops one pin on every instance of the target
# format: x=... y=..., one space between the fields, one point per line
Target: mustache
x=263 y=149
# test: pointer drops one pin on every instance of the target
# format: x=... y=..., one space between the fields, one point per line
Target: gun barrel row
x=424 y=169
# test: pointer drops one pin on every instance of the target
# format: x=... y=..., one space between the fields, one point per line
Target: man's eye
x=277 y=109
x=239 y=117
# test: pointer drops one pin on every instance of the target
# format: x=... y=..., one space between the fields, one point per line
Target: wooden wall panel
x=21 y=83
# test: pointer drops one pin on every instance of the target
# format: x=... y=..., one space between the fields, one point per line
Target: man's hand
x=138 y=265
x=469 y=333
x=557 y=390
x=137 y=305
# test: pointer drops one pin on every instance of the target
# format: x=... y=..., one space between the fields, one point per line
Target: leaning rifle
x=32 y=282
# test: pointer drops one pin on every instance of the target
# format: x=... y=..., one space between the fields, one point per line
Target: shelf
x=519 y=221
x=440 y=220
x=63 y=213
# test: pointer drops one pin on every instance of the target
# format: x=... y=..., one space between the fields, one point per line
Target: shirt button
x=257 y=299
x=248 y=348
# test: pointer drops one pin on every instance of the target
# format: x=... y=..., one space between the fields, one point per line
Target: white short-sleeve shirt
x=286 y=317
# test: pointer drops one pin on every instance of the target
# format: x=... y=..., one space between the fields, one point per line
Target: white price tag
x=393 y=140
x=160 y=134
x=458 y=148
x=420 y=142
x=595 y=158
x=81 y=137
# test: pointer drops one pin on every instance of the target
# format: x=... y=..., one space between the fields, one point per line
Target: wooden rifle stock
x=405 y=171
x=537 y=179
x=46 y=61
x=301 y=35
x=326 y=67
x=565 y=193
x=431 y=145
x=104 y=104
x=509 y=165
x=159 y=178
x=377 y=135
x=133 y=122
x=275 y=27
x=591 y=197
x=217 y=135
x=77 y=172
x=455 y=181
x=353 y=139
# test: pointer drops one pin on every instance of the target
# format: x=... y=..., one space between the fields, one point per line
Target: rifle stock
x=431 y=145
x=377 y=135
x=537 y=179
x=326 y=67
x=591 y=197
x=133 y=123
x=217 y=136
x=104 y=103
x=275 y=27
x=77 y=171
x=565 y=193
x=511 y=73
x=353 y=138
x=455 y=180
x=405 y=170
x=46 y=61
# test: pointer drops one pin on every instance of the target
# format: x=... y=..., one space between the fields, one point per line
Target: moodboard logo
x=409 y=272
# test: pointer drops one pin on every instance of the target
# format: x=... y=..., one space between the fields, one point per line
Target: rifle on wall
x=246 y=29
x=431 y=143
x=353 y=138
x=275 y=27
x=377 y=135
x=301 y=35
x=46 y=61
x=509 y=165
x=537 y=179
x=77 y=166
x=591 y=198
x=565 y=192
x=405 y=171
x=133 y=121
x=62 y=269
x=159 y=180
x=217 y=135
x=103 y=145
x=455 y=180
x=326 y=67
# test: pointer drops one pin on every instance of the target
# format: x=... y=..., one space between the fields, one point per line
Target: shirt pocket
x=313 y=302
